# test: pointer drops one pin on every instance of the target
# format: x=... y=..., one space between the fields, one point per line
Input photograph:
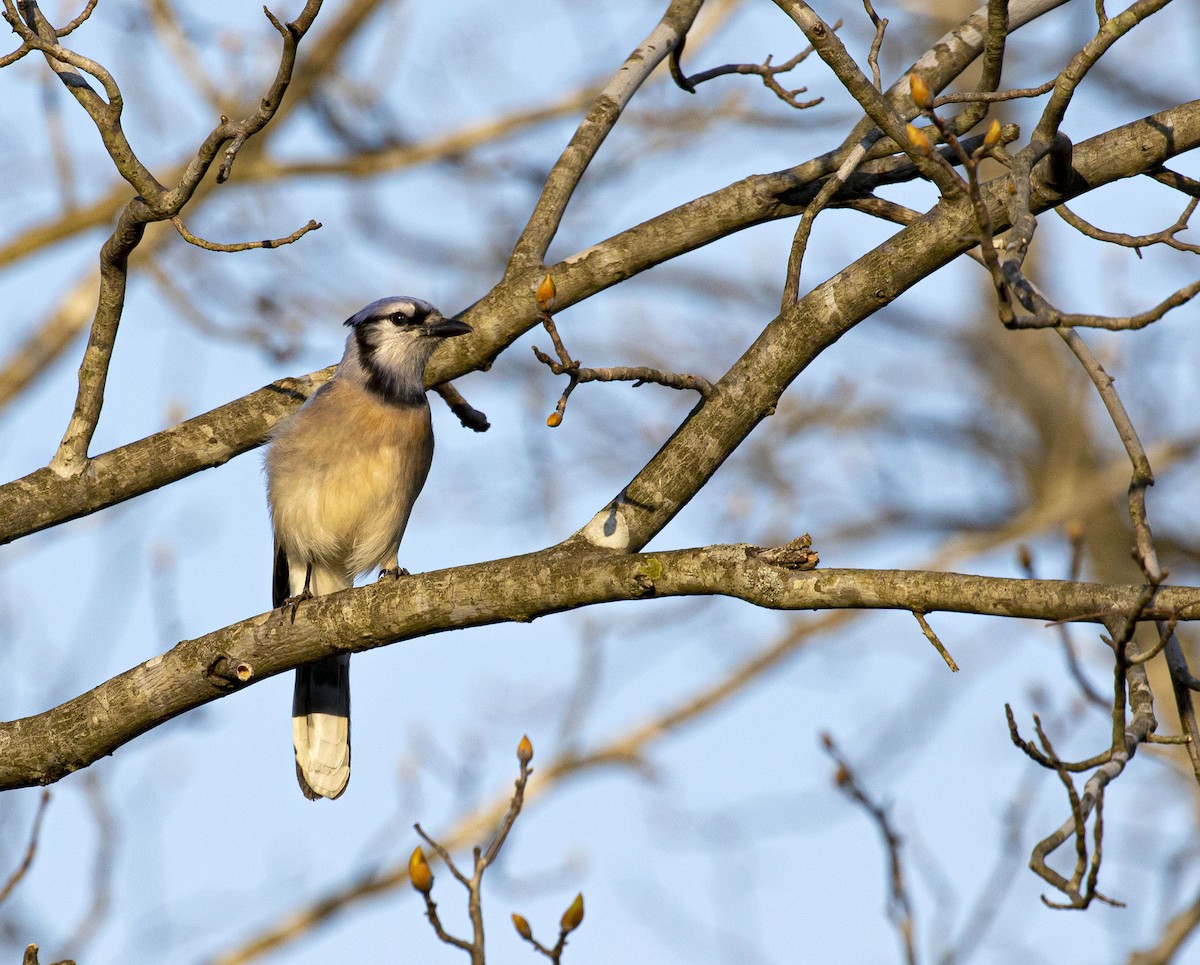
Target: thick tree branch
x=45 y=748
x=44 y=499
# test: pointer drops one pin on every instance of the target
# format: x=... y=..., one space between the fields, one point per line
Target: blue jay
x=342 y=476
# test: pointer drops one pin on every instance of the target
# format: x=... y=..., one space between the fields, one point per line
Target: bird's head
x=391 y=341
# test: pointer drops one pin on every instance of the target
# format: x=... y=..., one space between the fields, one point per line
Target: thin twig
x=199 y=242
x=993 y=97
x=791 y=286
x=24 y=49
x=637 y=374
x=766 y=70
x=880 y=25
x=576 y=374
x=154 y=202
x=933 y=638
x=1137 y=242
x=1046 y=315
x=423 y=882
x=571 y=919
x=1073 y=74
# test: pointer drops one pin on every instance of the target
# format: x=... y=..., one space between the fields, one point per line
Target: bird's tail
x=321 y=700
x=321 y=727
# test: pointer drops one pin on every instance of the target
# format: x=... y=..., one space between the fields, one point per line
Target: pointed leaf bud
x=525 y=750
x=572 y=916
x=919 y=139
x=546 y=293
x=419 y=873
x=920 y=92
x=992 y=137
x=522 y=927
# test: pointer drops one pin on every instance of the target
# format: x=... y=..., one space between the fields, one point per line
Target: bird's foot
x=292 y=603
x=395 y=572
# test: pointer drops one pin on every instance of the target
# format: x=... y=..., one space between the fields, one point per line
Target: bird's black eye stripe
x=401 y=317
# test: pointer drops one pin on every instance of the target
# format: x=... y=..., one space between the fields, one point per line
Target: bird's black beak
x=447 y=328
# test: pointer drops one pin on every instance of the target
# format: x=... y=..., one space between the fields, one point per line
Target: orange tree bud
x=525 y=747
x=992 y=137
x=554 y=420
x=419 y=873
x=545 y=293
x=920 y=92
x=522 y=927
x=919 y=139
x=572 y=916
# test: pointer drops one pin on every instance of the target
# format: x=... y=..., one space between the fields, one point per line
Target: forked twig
x=637 y=374
x=766 y=70
x=421 y=877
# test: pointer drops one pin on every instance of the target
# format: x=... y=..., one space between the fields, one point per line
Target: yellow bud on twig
x=920 y=140
x=522 y=927
x=419 y=873
x=545 y=293
x=525 y=747
x=920 y=92
x=554 y=420
x=572 y=916
x=992 y=137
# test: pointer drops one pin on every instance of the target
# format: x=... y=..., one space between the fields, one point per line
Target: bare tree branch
x=47 y=747
x=192 y=239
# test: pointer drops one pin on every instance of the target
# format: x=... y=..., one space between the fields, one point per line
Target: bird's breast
x=342 y=476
